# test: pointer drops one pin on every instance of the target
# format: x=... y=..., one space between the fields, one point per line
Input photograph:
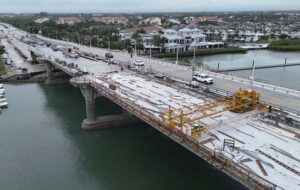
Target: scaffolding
x=241 y=102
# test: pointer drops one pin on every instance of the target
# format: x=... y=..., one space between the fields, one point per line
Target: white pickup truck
x=204 y=78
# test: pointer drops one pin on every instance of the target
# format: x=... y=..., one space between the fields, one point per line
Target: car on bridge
x=204 y=78
x=109 y=57
x=138 y=63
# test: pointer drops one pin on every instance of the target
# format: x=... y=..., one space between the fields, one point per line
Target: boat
x=254 y=46
x=2 y=91
x=1 y=86
x=1 y=96
x=3 y=104
x=3 y=99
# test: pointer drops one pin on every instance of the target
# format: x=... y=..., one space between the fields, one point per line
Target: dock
x=256 y=67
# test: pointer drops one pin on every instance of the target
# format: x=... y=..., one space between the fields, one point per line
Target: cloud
x=144 y=5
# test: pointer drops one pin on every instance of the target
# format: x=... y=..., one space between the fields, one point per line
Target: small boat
x=1 y=86
x=3 y=99
x=1 y=96
x=2 y=91
x=3 y=104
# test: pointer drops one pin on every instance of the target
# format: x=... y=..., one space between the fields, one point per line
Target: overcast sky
x=144 y=5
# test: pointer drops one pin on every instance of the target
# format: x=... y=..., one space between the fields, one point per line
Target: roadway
x=283 y=100
x=269 y=94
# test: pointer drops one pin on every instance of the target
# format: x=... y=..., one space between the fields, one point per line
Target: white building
x=187 y=39
x=41 y=20
x=70 y=20
x=152 y=21
x=111 y=19
x=174 y=21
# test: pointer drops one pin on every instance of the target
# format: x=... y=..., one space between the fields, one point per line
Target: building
x=174 y=21
x=187 y=39
x=150 y=30
x=70 y=20
x=41 y=20
x=209 y=19
x=152 y=20
x=111 y=19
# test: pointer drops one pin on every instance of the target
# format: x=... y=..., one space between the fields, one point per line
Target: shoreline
x=202 y=53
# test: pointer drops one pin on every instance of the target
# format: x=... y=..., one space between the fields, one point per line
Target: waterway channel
x=43 y=148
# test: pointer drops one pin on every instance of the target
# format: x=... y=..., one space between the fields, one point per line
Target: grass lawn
x=2 y=67
x=285 y=45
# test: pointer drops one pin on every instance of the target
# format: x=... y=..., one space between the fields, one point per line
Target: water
x=43 y=148
x=288 y=76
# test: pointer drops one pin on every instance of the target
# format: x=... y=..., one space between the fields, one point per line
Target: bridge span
x=258 y=147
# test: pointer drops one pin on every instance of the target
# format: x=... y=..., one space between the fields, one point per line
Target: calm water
x=43 y=148
x=288 y=76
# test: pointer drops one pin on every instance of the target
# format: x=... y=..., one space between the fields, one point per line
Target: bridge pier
x=91 y=122
x=49 y=69
x=55 y=77
x=89 y=96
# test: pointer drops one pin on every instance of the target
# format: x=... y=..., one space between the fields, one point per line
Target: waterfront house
x=187 y=39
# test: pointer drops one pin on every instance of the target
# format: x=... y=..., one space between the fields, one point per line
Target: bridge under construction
x=254 y=142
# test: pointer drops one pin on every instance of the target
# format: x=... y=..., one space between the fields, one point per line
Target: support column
x=49 y=69
x=89 y=96
x=92 y=122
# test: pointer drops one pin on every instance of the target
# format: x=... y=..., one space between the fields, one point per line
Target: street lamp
x=150 y=56
x=135 y=52
x=177 y=55
x=194 y=64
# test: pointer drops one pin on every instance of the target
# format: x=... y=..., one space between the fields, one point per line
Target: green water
x=43 y=148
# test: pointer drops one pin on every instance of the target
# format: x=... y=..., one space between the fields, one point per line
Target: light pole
x=150 y=57
x=41 y=29
x=135 y=52
x=177 y=54
x=194 y=64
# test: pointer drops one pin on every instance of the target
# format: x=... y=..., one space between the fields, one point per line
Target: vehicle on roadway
x=138 y=63
x=84 y=71
x=204 y=78
x=195 y=84
x=109 y=57
x=73 y=55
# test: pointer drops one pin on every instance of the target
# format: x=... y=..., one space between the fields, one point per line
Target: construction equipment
x=241 y=101
x=196 y=130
